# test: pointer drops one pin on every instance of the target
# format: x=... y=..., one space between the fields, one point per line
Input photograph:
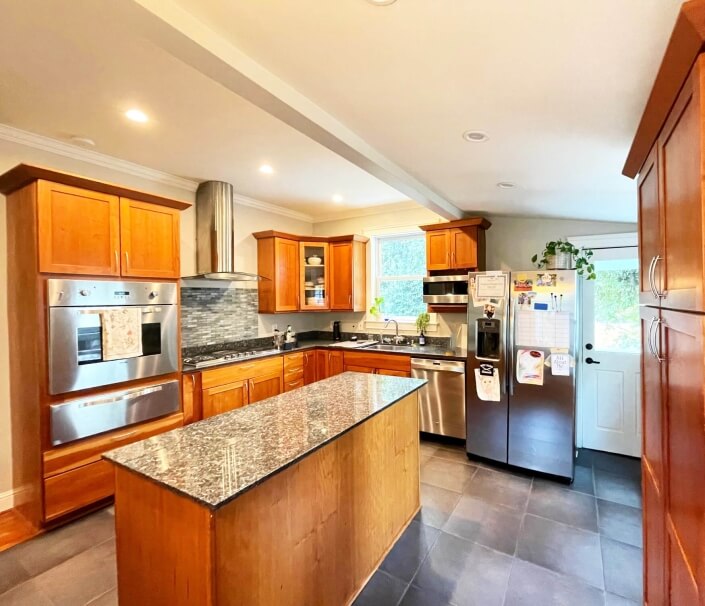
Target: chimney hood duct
x=215 y=234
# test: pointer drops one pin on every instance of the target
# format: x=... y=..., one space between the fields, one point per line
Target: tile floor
x=484 y=536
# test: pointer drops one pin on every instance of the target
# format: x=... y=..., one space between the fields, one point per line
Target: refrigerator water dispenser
x=487 y=339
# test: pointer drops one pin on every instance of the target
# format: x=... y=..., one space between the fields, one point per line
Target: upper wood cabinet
x=78 y=230
x=338 y=282
x=671 y=206
x=87 y=227
x=149 y=240
x=457 y=245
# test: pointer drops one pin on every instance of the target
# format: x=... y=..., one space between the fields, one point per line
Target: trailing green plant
x=581 y=257
x=422 y=322
x=376 y=309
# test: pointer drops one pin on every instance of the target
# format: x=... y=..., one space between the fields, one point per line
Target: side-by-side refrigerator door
x=543 y=329
x=487 y=399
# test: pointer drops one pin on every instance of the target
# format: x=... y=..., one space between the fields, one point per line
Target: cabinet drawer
x=64 y=458
x=240 y=372
x=293 y=384
x=377 y=360
x=77 y=488
x=293 y=362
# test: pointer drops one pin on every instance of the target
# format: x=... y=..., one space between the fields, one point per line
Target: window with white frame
x=398 y=271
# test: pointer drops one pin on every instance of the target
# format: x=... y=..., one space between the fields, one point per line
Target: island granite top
x=216 y=460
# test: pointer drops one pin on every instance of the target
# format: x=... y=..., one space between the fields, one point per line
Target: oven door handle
x=132 y=395
x=149 y=309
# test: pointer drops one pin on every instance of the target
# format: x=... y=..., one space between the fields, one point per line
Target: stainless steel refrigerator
x=522 y=348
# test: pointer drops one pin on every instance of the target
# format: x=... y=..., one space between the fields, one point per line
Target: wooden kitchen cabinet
x=456 y=245
x=378 y=363
x=292 y=284
x=149 y=240
x=265 y=386
x=335 y=363
x=78 y=230
x=309 y=367
x=220 y=399
x=348 y=275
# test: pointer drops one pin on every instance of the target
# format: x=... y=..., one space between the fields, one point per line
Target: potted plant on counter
x=562 y=254
x=422 y=322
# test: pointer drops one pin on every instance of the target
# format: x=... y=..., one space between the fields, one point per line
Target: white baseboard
x=7 y=500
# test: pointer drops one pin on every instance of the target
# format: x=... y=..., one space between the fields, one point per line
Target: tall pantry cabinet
x=668 y=153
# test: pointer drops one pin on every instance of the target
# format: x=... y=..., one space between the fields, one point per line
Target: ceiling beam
x=182 y=35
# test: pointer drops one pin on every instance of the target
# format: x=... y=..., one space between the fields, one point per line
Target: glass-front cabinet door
x=314 y=276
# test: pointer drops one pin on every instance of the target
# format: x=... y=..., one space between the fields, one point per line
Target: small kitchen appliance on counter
x=336 y=331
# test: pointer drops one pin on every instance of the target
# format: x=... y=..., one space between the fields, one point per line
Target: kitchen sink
x=388 y=347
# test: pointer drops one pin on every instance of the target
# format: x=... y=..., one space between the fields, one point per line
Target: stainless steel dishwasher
x=442 y=402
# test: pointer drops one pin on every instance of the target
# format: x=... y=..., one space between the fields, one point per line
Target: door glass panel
x=616 y=306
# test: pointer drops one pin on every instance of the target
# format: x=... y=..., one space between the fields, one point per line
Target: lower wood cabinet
x=223 y=398
x=77 y=488
x=378 y=363
x=310 y=370
x=262 y=387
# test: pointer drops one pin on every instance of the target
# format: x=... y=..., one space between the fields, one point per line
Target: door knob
x=591 y=361
x=588 y=346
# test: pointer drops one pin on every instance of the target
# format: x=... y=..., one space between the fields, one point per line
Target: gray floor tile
x=623 y=569
x=436 y=505
x=620 y=522
x=410 y=550
x=453 y=454
x=447 y=474
x=500 y=488
x=107 y=599
x=531 y=585
x=57 y=546
x=562 y=549
x=551 y=500
x=82 y=578
x=464 y=573
x=583 y=481
x=26 y=594
x=422 y=597
x=493 y=526
x=428 y=448
x=617 y=488
x=617 y=464
x=617 y=600
x=12 y=573
x=381 y=590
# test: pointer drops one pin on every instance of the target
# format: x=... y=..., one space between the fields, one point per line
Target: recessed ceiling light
x=337 y=198
x=266 y=169
x=381 y=2
x=475 y=136
x=506 y=185
x=85 y=141
x=136 y=115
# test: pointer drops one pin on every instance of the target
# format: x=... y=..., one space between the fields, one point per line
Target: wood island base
x=311 y=534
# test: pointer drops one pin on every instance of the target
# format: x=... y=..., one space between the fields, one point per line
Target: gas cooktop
x=225 y=357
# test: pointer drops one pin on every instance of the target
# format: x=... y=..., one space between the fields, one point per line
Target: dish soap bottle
x=422 y=338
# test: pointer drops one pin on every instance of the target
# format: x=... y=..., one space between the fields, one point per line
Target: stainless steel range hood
x=215 y=234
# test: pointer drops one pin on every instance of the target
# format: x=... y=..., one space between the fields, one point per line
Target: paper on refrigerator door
x=542 y=328
x=530 y=366
x=487 y=386
x=560 y=364
x=490 y=286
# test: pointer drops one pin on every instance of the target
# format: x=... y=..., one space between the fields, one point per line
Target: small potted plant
x=376 y=309
x=422 y=321
x=561 y=254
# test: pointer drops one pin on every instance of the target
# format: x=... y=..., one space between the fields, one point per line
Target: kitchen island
x=294 y=500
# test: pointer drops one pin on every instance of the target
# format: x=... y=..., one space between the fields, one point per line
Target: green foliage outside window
x=617 y=326
x=401 y=267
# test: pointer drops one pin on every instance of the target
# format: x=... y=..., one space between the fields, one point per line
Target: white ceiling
x=60 y=75
x=559 y=85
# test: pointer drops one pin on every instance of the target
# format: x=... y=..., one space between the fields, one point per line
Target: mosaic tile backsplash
x=215 y=315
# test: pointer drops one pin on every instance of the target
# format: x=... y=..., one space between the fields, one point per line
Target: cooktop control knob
x=153 y=295
x=84 y=292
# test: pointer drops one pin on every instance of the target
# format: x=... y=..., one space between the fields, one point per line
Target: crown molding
x=60 y=148
x=272 y=208
x=23 y=137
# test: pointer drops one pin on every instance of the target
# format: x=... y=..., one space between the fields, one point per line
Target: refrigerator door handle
x=509 y=359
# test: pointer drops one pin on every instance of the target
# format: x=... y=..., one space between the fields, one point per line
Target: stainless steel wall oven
x=77 y=312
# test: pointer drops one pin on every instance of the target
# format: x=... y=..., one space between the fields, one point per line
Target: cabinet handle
x=117 y=260
x=127 y=260
x=650 y=338
x=452 y=259
x=350 y=300
x=657 y=344
x=657 y=293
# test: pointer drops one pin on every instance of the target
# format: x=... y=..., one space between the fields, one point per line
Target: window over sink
x=399 y=266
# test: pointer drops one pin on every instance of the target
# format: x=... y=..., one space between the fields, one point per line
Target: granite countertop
x=216 y=460
x=434 y=352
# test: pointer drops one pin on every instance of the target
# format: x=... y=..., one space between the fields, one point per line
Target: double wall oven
x=78 y=313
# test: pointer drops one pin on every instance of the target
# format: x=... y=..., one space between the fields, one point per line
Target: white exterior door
x=609 y=379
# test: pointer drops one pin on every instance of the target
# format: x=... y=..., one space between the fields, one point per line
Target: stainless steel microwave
x=446 y=290
x=76 y=308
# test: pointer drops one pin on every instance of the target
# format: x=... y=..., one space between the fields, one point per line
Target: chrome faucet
x=397 y=339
